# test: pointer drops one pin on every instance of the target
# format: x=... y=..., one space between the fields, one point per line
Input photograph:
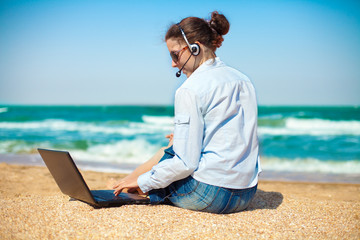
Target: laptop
x=71 y=183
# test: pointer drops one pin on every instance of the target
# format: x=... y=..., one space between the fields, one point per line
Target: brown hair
x=208 y=33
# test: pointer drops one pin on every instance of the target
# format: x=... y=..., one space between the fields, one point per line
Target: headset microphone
x=178 y=73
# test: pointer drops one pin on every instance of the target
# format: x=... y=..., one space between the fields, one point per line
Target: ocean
x=294 y=141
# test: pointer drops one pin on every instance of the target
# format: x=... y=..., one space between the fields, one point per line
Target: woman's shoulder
x=213 y=76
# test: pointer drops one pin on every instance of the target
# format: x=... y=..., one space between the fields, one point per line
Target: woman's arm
x=130 y=181
x=188 y=137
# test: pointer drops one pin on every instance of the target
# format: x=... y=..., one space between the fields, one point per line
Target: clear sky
x=112 y=51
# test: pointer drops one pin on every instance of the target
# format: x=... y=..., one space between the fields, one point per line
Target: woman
x=212 y=161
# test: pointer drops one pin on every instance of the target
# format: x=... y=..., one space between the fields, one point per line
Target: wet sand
x=32 y=207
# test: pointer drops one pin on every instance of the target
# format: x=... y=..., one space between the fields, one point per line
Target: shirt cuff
x=143 y=182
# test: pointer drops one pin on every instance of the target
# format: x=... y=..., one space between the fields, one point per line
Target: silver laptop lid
x=67 y=175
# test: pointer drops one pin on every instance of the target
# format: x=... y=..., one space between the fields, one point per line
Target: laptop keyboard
x=105 y=195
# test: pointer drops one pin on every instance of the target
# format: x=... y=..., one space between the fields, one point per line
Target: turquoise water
x=308 y=139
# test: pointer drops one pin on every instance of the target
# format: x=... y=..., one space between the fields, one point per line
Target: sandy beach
x=32 y=207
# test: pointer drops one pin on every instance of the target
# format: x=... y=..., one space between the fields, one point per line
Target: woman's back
x=227 y=102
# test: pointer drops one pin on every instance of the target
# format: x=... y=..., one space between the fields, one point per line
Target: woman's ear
x=200 y=45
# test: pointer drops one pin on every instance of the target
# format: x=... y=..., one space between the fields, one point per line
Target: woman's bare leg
x=143 y=168
x=148 y=165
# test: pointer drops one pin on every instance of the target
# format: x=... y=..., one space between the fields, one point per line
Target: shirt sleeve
x=188 y=135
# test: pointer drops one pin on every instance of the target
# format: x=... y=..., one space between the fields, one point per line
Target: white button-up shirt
x=215 y=134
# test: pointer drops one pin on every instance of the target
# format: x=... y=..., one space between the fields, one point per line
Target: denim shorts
x=191 y=194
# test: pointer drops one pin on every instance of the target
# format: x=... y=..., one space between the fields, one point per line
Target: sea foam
x=131 y=128
x=310 y=165
x=313 y=127
x=125 y=151
x=3 y=110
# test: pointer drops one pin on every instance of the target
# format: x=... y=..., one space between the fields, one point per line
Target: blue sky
x=112 y=52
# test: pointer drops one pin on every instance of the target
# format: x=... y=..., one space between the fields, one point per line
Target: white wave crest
x=311 y=165
x=134 y=152
x=16 y=146
x=315 y=127
x=62 y=125
x=3 y=110
x=158 y=120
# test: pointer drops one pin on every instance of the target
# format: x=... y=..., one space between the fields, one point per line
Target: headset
x=194 y=49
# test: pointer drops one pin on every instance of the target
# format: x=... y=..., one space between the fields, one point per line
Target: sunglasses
x=175 y=54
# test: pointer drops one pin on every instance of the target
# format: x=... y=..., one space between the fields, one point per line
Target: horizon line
x=162 y=105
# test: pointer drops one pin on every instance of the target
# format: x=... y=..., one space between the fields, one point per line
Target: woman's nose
x=173 y=64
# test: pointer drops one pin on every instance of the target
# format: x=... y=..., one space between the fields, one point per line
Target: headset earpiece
x=195 y=49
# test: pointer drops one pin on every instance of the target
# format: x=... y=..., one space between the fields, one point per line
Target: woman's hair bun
x=207 y=32
x=219 y=23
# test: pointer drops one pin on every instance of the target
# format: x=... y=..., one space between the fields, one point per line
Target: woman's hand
x=128 y=184
x=170 y=137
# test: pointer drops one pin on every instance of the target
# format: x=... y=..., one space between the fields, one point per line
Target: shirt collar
x=208 y=64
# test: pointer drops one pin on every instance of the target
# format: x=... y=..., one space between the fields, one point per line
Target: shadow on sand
x=265 y=200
